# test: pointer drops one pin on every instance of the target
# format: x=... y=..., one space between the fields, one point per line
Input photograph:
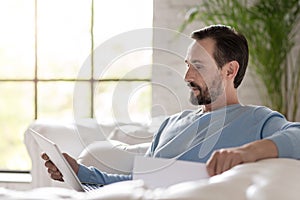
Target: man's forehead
x=196 y=51
x=192 y=45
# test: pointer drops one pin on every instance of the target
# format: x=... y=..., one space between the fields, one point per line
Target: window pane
x=123 y=102
x=111 y=46
x=17 y=39
x=82 y=99
x=118 y=16
x=134 y=65
x=55 y=100
x=63 y=37
x=17 y=112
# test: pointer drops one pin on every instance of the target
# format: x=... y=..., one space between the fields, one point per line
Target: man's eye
x=199 y=66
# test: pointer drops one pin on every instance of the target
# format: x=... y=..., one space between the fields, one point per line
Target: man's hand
x=53 y=170
x=224 y=159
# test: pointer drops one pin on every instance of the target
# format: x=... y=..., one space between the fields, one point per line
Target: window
x=44 y=44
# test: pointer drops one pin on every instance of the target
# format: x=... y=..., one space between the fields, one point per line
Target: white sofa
x=86 y=140
x=110 y=148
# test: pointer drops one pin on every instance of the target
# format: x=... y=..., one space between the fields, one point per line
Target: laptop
x=56 y=156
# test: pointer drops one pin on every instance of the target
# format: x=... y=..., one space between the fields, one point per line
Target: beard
x=206 y=96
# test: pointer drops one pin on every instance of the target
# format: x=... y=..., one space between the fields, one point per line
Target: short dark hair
x=230 y=45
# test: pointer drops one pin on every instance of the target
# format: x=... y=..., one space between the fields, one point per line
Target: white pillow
x=136 y=133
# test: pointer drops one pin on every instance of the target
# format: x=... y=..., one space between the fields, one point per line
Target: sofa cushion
x=136 y=133
x=111 y=156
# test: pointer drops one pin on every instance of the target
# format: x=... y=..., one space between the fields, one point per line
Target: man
x=223 y=133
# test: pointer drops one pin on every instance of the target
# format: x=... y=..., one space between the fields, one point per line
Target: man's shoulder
x=180 y=115
x=261 y=112
x=183 y=113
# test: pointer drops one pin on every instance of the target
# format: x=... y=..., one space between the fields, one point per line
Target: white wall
x=173 y=97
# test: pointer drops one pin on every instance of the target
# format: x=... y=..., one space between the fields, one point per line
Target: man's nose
x=189 y=75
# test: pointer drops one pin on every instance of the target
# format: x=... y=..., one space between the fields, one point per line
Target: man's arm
x=94 y=176
x=224 y=159
x=85 y=174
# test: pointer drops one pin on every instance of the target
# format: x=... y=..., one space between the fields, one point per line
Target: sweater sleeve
x=287 y=142
x=285 y=134
x=94 y=176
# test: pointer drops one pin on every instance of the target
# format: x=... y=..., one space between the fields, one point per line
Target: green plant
x=270 y=27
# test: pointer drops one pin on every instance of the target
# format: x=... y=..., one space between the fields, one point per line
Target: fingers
x=223 y=160
x=49 y=164
x=44 y=156
x=211 y=165
x=73 y=163
x=228 y=164
x=219 y=163
x=53 y=171
x=51 y=168
x=56 y=175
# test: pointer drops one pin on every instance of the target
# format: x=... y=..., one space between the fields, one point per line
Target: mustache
x=193 y=84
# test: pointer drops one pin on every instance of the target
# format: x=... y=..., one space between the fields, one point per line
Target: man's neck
x=220 y=103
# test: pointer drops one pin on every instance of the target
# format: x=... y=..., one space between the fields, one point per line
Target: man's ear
x=231 y=69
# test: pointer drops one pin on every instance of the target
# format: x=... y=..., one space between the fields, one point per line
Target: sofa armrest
x=70 y=137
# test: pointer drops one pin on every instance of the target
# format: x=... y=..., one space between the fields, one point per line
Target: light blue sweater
x=193 y=136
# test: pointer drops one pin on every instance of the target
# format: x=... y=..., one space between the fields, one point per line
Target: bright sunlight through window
x=43 y=45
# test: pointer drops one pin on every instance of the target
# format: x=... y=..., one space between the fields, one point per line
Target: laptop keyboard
x=89 y=187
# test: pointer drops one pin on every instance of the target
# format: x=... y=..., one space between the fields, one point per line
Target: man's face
x=203 y=76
